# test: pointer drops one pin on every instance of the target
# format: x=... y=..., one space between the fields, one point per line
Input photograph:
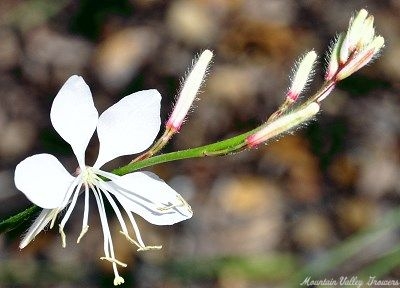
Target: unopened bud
x=189 y=91
x=358 y=47
x=282 y=124
x=353 y=35
x=333 y=65
x=367 y=34
x=362 y=58
x=302 y=75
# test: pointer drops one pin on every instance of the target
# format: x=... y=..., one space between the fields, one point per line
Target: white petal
x=150 y=197
x=129 y=126
x=74 y=116
x=43 y=180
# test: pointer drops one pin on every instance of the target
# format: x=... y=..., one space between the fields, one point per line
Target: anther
x=146 y=248
x=140 y=247
x=182 y=203
x=118 y=280
x=113 y=260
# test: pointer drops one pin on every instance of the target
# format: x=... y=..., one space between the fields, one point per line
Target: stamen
x=166 y=208
x=102 y=220
x=108 y=244
x=100 y=184
x=182 y=204
x=63 y=238
x=140 y=247
x=65 y=200
x=83 y=232
x=112 y=260
x=105 y=188
x=105 y=174
x=140 y=244
x=70 y=191
x=134 y=226
x=54 y=217
x=85 y=226
x=68 y=214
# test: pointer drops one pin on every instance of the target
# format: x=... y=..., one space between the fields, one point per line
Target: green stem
x=224 y=147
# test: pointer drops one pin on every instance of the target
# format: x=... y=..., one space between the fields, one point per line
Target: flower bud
x=282 y=124
x=334 y=63
x=368 y=33
x=362 y=58
x=353 y=35
x=189 y=91
x=358 y=47
x=302 y=75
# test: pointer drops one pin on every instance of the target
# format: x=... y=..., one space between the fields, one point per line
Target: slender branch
x=224 y=147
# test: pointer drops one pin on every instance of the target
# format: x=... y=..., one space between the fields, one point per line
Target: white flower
x=127 y=127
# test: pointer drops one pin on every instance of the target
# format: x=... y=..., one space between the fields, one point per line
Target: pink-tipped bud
x=189 y=91
x=282 y=124
x=301 y=76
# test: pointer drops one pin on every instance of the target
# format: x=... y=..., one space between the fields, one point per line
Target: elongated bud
x=334 y=62
x=302 y=75
x=189 y=91
x=367 y=34
x=353 y=35
x=282 y=124
x=362 y=58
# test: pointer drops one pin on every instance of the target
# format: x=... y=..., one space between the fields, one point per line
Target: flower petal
x=129 y=126
x=43 y=180
x=145 y=194
x=74 y=116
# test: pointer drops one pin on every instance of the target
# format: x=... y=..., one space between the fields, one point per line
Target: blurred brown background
x=313 y=203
